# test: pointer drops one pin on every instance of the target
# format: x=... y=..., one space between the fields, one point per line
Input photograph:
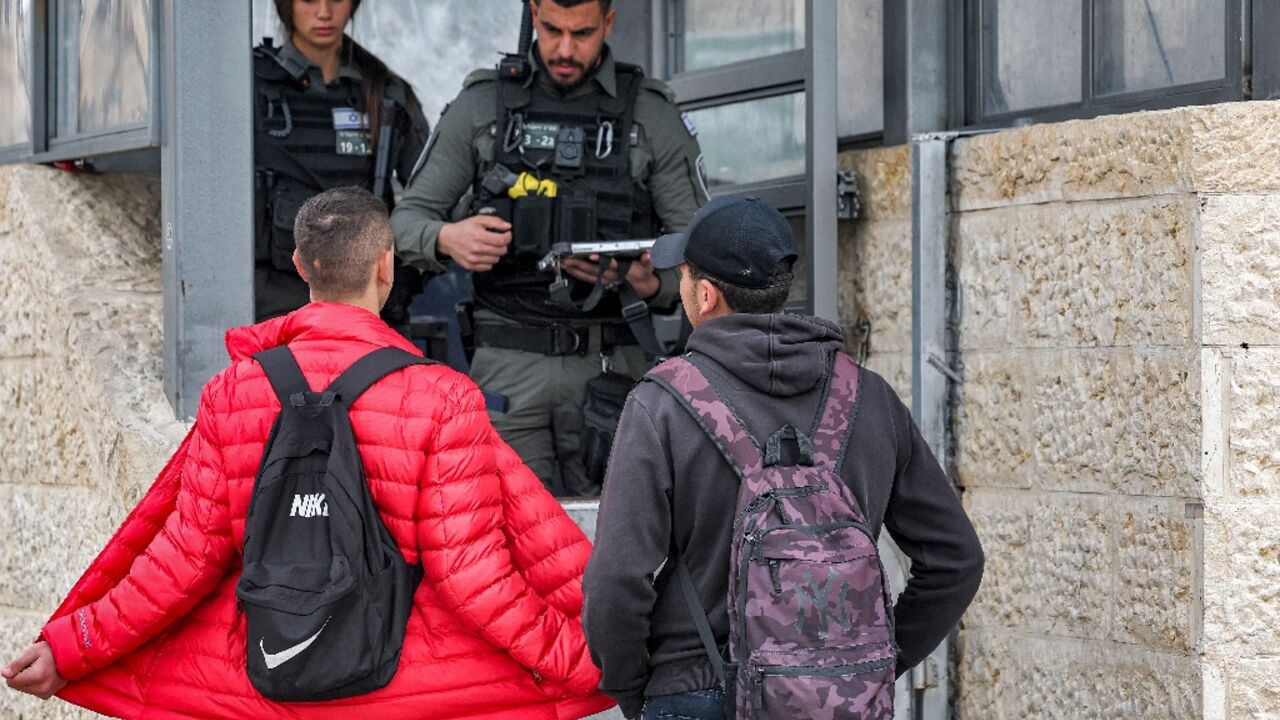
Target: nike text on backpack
x=325 y=590
x=810 y=611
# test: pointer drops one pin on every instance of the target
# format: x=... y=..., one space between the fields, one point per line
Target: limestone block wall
x=1118 y=335
x=84 y=425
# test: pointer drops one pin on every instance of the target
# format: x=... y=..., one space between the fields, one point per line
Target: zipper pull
x=774 y=576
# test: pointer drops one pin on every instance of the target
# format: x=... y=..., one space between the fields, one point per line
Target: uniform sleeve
x=465 y=553
x=928 y=523
x=183 y=563
x=633 y=533
x=441 y=175
x=675 y=180
x=414 y=132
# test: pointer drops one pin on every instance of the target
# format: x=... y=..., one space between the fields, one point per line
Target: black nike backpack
x=325 y=592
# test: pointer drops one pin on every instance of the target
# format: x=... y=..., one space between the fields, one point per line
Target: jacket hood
x=779 y=355
x=315 y=321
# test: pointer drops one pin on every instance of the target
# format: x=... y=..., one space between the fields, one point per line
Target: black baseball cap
x=737 y=240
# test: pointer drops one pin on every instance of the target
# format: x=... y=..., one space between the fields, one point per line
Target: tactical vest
x=309 y=139
x=299 y=149
x=584 y=145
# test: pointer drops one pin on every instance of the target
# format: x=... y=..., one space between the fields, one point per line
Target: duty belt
x=554 y=340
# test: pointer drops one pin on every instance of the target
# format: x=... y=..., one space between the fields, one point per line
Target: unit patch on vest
x=352 y=130
x=539 y=136
x=688 y=124
x=353 y=142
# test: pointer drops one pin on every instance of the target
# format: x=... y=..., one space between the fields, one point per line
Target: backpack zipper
x=757 y=682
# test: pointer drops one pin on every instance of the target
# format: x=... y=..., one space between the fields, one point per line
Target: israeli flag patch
x=349 y=119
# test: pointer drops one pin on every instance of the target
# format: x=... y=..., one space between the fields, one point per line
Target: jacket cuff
x=65 y=641
x=630 y=705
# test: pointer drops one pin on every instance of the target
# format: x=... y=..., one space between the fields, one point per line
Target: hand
x=640 y=274
x=34 y=672
x=476 y=243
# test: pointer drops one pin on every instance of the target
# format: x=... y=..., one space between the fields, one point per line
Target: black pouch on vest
x=286 y=200
x=577 y=218
x=533 y=216
x=601 y=408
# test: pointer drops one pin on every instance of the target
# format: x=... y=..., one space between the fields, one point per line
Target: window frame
x=44 y=145
x=756 y=79
x=967 y=46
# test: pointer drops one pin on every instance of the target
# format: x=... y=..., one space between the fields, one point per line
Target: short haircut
x=755 y=301
x=604 y=4
x=339 y=235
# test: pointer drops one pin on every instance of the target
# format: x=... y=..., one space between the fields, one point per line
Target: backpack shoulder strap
x=371 y=368
x=685 y=381
x=831 y=435
x=283 y=372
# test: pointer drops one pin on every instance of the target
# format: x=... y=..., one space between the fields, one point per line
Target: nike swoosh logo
x=275 y=660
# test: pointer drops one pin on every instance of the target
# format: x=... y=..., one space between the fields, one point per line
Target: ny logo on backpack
x=325 y=590
x=810 y=611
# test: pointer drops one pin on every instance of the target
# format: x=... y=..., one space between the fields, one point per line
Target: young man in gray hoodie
x=668 y=492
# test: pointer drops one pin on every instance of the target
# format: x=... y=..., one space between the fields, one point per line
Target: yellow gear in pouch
x=528 y=184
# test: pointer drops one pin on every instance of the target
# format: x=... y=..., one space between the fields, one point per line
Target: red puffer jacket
x=152 y=629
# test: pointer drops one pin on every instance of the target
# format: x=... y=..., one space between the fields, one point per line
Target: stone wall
x=85 y=425
x=1118 y=330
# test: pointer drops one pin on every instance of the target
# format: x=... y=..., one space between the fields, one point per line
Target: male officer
x=601 y=153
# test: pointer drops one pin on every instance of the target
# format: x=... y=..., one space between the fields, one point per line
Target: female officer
x=327 y=113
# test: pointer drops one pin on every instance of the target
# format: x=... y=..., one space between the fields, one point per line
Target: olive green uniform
x=543 y=419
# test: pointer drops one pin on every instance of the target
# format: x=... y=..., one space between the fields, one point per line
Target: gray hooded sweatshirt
x=668 y=491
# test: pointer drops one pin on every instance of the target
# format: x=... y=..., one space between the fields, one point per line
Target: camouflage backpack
x=810 y=611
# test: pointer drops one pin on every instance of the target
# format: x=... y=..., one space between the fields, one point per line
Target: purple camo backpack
x=810 y=611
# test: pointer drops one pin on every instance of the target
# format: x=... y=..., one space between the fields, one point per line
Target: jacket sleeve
x=928 y=523
x=547 y=546
x=633 y=535
x=181 y=564
x=466 y=557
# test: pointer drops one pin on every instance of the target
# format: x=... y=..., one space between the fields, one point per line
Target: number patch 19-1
x=353 y=142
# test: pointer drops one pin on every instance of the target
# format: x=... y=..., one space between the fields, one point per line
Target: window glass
x=715 y=32
x=753 y=140
x=1157 y=43
x=860 y=67
x=1030 y=54
x=432 y=45
x=800 y=285
x=15 y=72
x=114 y=61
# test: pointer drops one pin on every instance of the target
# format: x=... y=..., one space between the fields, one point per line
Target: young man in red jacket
x=153 y=628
